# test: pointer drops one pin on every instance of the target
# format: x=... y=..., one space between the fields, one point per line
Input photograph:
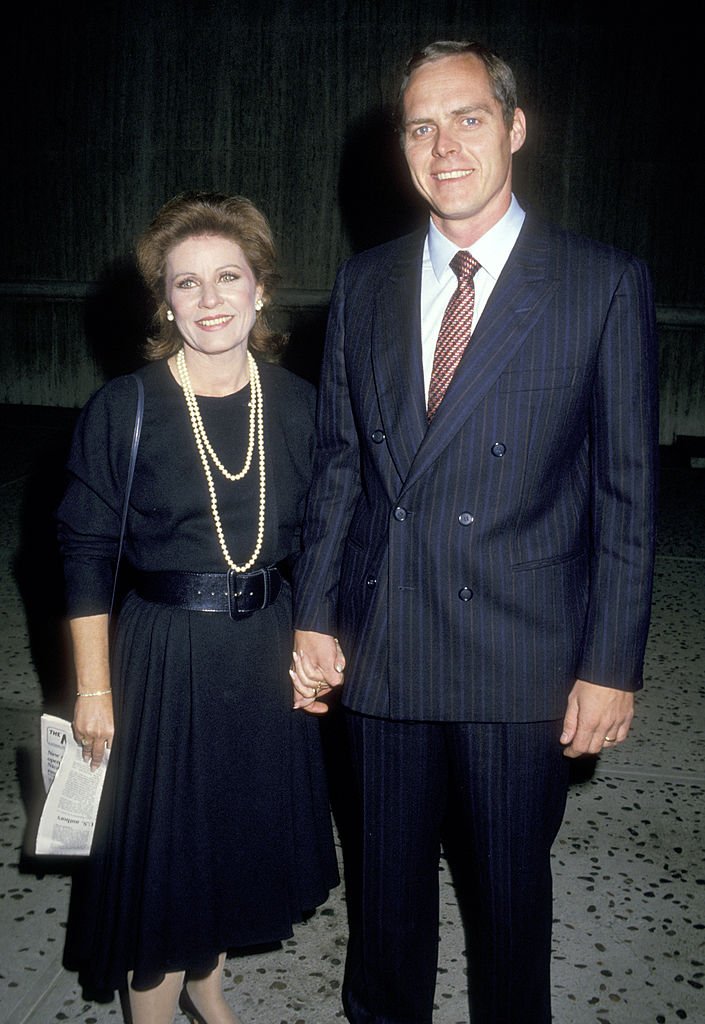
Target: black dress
x=214 y=829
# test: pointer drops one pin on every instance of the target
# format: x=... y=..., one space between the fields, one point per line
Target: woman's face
x=211 y=290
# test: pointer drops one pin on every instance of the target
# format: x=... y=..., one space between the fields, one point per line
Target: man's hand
x=316 y=669
x=596 y=716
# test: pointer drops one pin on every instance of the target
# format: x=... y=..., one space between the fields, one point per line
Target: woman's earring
x=258 y=304
x=169 y=315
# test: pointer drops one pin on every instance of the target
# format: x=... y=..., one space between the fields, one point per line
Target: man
x=480 y=540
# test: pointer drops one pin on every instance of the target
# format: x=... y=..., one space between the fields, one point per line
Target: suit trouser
x=494 y=794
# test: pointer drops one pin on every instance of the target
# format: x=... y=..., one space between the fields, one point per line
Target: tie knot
x=464 y=265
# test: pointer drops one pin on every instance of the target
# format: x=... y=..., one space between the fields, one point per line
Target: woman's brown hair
x=208 y=213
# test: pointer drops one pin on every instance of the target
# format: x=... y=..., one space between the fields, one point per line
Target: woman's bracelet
x=95 y=693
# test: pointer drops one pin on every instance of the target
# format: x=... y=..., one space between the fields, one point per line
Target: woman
x=214 y=830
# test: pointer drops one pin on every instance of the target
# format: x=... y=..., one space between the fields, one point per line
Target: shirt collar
x=491 y=250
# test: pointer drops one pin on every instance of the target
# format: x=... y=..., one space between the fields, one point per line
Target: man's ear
x=517 y=133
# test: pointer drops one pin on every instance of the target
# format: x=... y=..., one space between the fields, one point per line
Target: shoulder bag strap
x=130 y=474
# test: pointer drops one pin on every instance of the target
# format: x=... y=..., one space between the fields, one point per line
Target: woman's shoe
x=186 y=1006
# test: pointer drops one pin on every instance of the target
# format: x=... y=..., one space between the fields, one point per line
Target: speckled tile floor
x=628 y=863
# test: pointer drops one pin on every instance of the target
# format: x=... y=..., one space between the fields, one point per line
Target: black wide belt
x=238 y=593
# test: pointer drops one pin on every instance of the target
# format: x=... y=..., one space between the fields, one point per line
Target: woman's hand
x=316 y=670
x=93 y=724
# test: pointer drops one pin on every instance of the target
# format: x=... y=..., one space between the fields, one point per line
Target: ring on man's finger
x=86 y=743
x=610 y=739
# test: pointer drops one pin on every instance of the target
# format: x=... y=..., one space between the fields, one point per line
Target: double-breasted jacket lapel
x=396 y=354
x=522 y=291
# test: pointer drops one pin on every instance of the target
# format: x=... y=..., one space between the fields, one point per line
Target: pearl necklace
x=205 y=449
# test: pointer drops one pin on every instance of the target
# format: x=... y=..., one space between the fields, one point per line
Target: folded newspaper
x=73 y=792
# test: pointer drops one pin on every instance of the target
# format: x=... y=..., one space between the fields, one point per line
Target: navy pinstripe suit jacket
x=473 y=570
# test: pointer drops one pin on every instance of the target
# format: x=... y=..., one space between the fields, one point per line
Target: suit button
x=466 y=518
x=465 y=594
x=498 y=449
x=378 y=436
x=400 y=514
x=371 y=581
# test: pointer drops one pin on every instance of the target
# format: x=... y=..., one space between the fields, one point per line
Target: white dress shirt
x=438 y=281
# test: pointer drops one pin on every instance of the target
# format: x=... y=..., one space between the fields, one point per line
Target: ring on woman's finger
x=317 y=687
x=610 y=739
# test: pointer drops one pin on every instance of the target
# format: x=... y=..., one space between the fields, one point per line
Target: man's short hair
x=500 y=74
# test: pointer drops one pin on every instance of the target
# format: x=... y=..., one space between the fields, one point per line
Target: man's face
x=457 y=145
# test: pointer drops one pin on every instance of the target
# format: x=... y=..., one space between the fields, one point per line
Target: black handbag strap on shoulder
x=130 y=474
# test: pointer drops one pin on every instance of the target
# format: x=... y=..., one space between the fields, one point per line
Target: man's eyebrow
x=459 y=111
x=475 y=108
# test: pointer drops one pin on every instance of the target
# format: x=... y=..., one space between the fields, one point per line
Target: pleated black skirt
x=214 y=829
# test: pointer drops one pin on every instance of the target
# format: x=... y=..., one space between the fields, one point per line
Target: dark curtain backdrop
x=113 y=107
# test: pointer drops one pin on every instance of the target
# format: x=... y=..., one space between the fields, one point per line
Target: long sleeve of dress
x=89 y=513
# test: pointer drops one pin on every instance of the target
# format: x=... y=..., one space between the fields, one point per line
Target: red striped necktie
x=455 y=329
